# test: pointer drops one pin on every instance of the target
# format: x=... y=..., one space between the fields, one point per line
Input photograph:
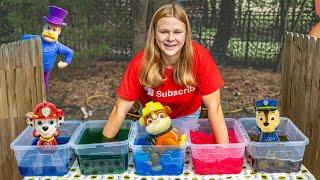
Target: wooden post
x=300 y=91
x=21 y=88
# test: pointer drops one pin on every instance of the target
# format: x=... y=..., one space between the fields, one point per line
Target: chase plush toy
x=50 y=45
x=158 y=124
x=45 y=118
x=267 y=119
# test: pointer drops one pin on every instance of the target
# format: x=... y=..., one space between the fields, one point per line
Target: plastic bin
x=45 y=161
x=217 y=158
x=99 y=156
x=160 y=160
x=275 y=157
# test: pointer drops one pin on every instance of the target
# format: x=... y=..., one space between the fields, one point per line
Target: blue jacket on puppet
x=267 y=119
x=49 y=39
x=50 y=50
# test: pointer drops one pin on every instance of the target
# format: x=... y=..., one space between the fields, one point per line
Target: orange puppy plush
x=158 y=125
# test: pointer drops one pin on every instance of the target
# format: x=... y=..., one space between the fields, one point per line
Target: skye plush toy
x=267 y=119
x=158 y=125
x=45 y=118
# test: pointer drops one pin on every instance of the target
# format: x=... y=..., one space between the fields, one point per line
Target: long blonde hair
x=153 y=67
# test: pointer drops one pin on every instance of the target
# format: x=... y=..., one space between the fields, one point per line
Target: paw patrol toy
x=267 y=119
x=45 y=118
x=158 y=124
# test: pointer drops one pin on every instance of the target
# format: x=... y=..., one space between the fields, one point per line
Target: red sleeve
x=130 y=88
x=208 y=76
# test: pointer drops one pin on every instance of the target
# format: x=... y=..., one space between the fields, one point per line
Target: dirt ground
x=89 y=87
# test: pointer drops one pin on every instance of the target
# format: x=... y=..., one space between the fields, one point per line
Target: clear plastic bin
x=45 y=161
x=160 y=160
x=217 y=158
x=275 y=157
x=100 y=156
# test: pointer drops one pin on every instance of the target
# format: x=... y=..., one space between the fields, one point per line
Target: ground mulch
x=71 y=88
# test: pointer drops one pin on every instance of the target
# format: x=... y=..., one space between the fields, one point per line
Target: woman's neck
x=171 y=60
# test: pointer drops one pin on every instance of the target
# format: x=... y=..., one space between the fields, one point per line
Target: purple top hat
x=56 y=16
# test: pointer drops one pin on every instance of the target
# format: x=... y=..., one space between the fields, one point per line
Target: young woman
x=172 y=70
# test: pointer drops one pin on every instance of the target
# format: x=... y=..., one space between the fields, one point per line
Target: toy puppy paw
x=183 y=139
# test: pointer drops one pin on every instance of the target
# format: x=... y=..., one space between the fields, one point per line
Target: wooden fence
x=21 y=88
x=300 y=91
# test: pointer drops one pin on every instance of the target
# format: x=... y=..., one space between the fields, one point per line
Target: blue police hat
x=266 y=104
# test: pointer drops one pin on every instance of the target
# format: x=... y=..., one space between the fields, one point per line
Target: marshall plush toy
x=158 y=124
x=267 y=119
x=45 y=118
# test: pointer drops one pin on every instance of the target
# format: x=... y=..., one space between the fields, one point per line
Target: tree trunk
x=139 y=14
x=224 y=30
x=153 y=7
x=285 y=5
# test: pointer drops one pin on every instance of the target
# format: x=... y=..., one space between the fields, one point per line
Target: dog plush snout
x=45 y=128
x=266 y=124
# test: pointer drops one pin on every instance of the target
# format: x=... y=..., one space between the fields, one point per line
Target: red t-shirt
x=181 y=99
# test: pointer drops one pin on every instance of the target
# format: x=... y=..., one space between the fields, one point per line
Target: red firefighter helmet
x=46 y=110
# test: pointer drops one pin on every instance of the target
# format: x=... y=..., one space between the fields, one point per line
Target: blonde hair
x=153 y=67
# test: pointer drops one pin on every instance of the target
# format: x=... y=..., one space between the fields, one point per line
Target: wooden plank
x=291 y=61
x=313 y=130
x=306 y=76
x=5 y=51
x=290 y=76
x=31 y=45
x=304 y=86
x=20 y=83
x=4 y=110
x=31 y=74
x=286 y=55
x=9 y=169
x=1 y=57
x=40 y=63
x=28 y=70
x=295 y=86
x=10 y=82
x=38 y=52
x=16 y=50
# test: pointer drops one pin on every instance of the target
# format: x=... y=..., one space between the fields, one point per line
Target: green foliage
x=256 y=50
x=93 y=26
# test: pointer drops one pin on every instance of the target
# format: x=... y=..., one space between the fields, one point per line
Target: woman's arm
x=116 y=118
x=215 y=116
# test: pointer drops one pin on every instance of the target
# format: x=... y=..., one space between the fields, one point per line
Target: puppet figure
x=158 y=125
x=49 y=39
x=267 y=119
x=45 y=118
x=315 y=30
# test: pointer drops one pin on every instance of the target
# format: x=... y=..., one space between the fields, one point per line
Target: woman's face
x=170 y=35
